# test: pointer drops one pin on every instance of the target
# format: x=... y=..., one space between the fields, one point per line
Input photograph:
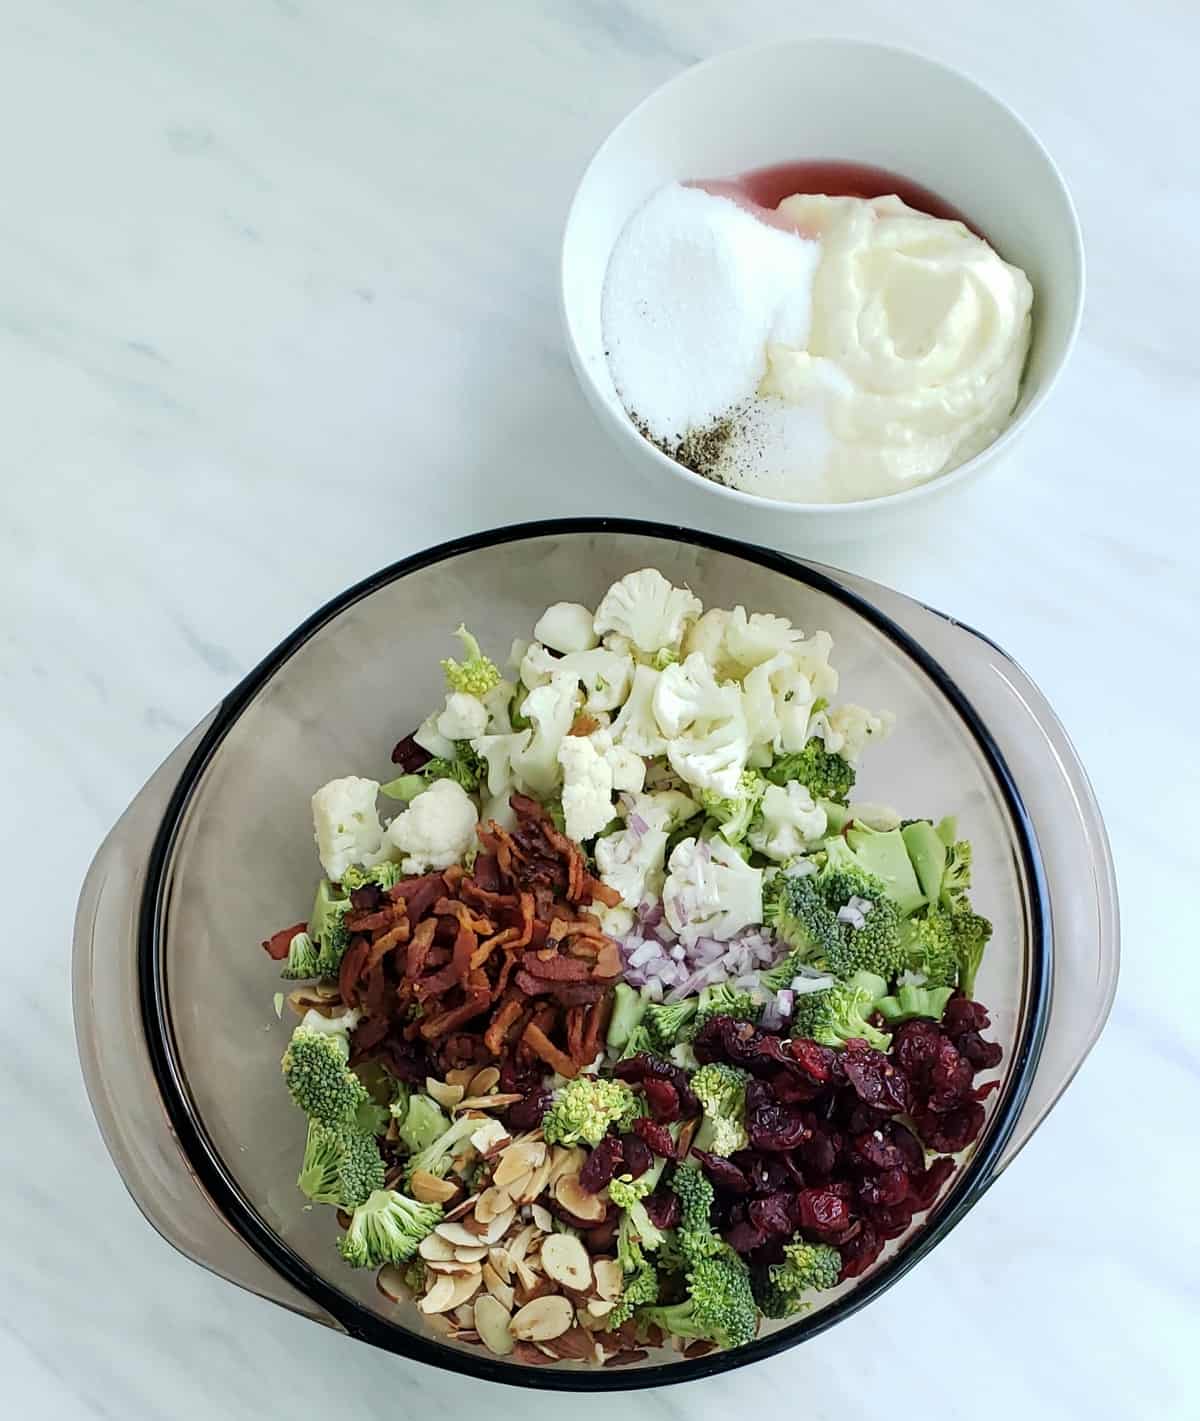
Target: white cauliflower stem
x=711 y=891
x=791 y=820
x=604 y=674
x=645 y=608
x=635 y=727
x=346 y=825
x=436 y=829
x=566 y=626
x=551 y=708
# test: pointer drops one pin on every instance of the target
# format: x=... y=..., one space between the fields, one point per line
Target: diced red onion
x=786 y=1001
x=638 y=825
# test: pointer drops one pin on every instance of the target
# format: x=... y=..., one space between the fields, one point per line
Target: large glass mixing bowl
x=179 y=1042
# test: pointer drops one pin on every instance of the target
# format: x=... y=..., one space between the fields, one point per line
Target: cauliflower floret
x=644 y=607
x=711 y=891
x=628 y=769
x=790 y=821
x=812 y=657
x=846 y=729
x=464 y=718
x=707 y=637
x=632 y=861
x=778 y=701
x=614 y=922
x=604 y=674
x=587 y=787
x=436 y=829
x=687 y=692
x=346 y=825
x=501 y=753
x=751 y=640
x=635 y=727
x=712 y=758
x=551 y=708
x=566 y=626
x=429 y=737
x=664 y=808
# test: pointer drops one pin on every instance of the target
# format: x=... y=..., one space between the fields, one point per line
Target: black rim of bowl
x=357 y=1320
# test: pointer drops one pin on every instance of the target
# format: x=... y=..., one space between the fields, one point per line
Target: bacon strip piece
x=541 y=1046
x=277 y=945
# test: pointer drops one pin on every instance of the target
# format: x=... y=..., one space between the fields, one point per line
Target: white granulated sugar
x=696 y=288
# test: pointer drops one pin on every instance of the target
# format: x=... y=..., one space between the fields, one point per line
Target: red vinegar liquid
x=763 y=189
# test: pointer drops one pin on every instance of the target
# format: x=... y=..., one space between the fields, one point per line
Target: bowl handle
x=116 y=1062
x=1066 y=819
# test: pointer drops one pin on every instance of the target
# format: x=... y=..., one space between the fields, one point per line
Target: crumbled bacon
x=502 y=962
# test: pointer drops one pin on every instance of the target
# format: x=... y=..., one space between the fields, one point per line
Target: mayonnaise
x=919 y=334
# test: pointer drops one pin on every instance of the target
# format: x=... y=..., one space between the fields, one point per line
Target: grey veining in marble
x=277 y=305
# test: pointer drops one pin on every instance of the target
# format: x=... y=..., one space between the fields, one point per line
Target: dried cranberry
x=663 y=1208
x=772 y=1214
x=983 y=1055
x=745 y=1238
x=663 y=1100
x=890 y=1221
x=637 y=1155
x=818 y=1063
x=601 y=1165
x=860 y=1252
x=925 y=1187
x=950 y=1077
x=877 y=1150
x=776 y=1127
x=365 y=898
x=724 y=1174
x=643 y=1066
x=766 y=1173
x=602 y=1238
x=912 y=1156
x=820 y=1211
x=962 y=1014
x=862 y=1119
x=915 y=1047
x=519 y=1077
x=410 y=756
x=876 y=1080
x=888 y=1187
x=526 y=1113
x=819 y=1153
x=951 y=1131
x=657 y=1136
x=791 y=1089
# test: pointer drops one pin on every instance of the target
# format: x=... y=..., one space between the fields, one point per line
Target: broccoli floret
x=383 y=875
x=467 y=768
x=319 y=1079
x=340 y=1166
x=825 y=776
x=721 y=1090
x=839 y=919
x=839 y=1013
x=640 y=1287
x=628 y=1008
x=956 y=879
x=476 y=674
x=387 y=1228
x=884 y=856
x=636 y=1231
x=806 y=1266
x=584 y=1109
x=640 y=1043
x=719 y=1306
x=972 y=934
x=735 y=813
x=694 y=1233
x=437 y=1157
x=779 y=977
x=327 y=927
x=928 y=946
x=414 y=1275
x=927 y=854
x=911 y=1001
x=423 y=1122
x=302 y=959
x=723 y=1000
x=669 y=1022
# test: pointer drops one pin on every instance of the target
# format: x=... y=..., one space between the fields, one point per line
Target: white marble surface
x=277 y=305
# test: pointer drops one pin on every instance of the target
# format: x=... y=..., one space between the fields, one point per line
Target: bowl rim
x=240 y=1213
x=622 y=427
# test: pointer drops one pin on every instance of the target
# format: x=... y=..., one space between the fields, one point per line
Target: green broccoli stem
x=629 y=1006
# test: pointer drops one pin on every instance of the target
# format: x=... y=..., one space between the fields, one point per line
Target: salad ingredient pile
x=630 y=1026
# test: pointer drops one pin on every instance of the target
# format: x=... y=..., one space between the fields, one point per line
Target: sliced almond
x=537 y=1185
x=471 y=1233
x=456 y=1234
x=518 y=1159
x=451 y=1266
x=487 y=1102
x=429 y=1189
x=518 y=1245
x=440 y=1297
x=433 y=1247
x=465 y=1288
x=491 y=1202
x=542 y=1319
x=470 y=1255
x=609 y=1277
x=501 y=1261
x=565 y=1161
x=526 y=1277
x=543 y=1218
x=390 y=1283
x=490 y=1138
x=519 y=1187
x=463 y=1075
x=483 y=1081
x=447 y=1096
x=465 y=1316
x=491 y=1320
x=601 y=1307
x=498 y=1289
x=577 y=1201
x=566 y=1260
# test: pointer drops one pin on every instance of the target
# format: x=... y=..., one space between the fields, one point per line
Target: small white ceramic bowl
x=847 y=100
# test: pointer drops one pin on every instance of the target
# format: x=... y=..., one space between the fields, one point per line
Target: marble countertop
x=277 y=306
